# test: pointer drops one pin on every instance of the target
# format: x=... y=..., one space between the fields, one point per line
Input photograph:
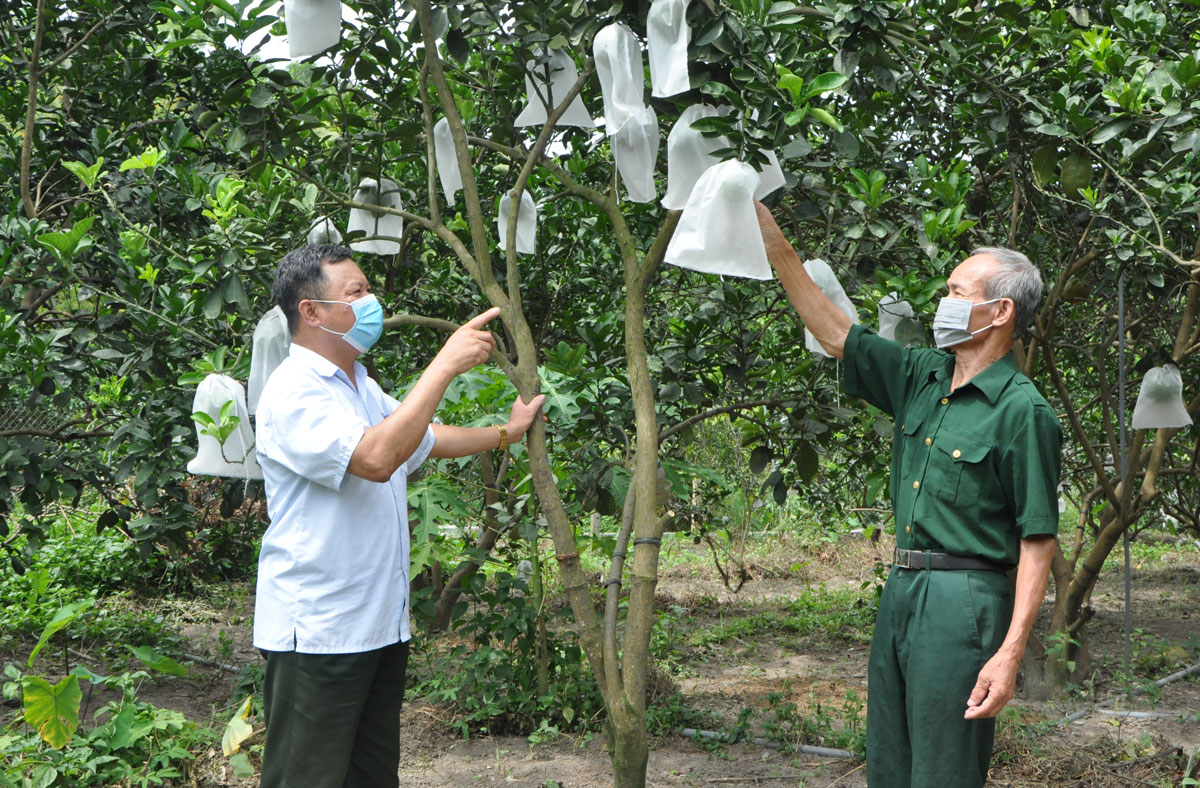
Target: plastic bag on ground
x=689 y=154
x=1160 y=400
x=667 y=36
x=268 y=348
x=526 y=223
x=827 y=280
x=385 y=193
x=618 y=55
x=635 y=149
x=539 y=94
x=718 y=232
x=312 y=25
x=447 y=160
x=236 y=457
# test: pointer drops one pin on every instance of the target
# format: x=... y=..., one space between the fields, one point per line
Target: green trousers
x=333 y=720
x=934 y=632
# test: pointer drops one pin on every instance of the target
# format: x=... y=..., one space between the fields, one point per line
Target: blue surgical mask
x=368 y=322
x=952 y=319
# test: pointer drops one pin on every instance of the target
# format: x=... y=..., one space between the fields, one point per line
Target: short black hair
x=301 y=274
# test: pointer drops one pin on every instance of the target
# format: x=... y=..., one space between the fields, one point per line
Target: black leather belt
x=920 y=559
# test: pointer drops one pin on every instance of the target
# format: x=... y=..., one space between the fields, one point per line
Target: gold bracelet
x=503 y=437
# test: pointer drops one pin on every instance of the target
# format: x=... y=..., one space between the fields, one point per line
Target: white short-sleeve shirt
x=333 y=569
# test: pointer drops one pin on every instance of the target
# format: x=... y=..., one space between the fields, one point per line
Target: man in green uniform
x=975 y=464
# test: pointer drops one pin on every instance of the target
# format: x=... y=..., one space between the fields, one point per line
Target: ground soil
x=1033 y=749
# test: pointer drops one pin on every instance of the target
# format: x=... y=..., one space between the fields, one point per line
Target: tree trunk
x=627 y=749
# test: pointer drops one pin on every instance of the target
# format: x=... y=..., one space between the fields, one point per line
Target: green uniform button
x=908 y=529
x=945 y=400
x=956 y=454
x=929 y=441
x=916 y=485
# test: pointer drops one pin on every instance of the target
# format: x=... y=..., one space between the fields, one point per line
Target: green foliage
x=847 y=613
x=843 y=728
x=494 y=687
x=134 y=743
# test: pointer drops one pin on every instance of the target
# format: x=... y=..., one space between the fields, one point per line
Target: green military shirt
x=973 y=471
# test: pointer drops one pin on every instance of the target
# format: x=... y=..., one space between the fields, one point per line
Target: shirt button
x=956 y=454
x=916 y=485
x=945 y=400
x=908 y=529
x=929 y=441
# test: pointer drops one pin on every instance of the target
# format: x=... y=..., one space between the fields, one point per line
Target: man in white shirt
x=332 y=608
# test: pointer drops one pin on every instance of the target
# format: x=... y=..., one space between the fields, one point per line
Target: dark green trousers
x=333 y=720
x=934 y=632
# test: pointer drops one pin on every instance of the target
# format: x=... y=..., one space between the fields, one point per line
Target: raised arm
x=392 y=441
x=827 y=323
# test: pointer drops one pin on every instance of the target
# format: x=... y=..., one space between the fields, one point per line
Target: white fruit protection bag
x=526 y=223
x=827 y=280
x=268 y=348
x=618 y=55
x=447 y=160
x=1160 y=400
x=689 y=154
x=667 y=36
x=384 y=193
x=236 y=458
x=635 y=149
x=718 y=231
x=324 y=231
x=312 y=25
x=539 y=93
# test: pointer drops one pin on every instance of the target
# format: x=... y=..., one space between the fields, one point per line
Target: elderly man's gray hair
x=1016 y=278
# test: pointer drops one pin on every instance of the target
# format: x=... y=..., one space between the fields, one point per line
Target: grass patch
x=844 y=613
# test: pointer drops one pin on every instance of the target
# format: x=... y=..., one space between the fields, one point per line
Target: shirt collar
x=321 y=365
x=990 y=381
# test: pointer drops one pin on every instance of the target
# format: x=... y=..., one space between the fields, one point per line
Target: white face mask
x=950 y=323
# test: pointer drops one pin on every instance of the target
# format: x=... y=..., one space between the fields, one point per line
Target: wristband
x=503 y=437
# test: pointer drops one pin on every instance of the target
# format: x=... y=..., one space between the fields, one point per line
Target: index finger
x=481 y=320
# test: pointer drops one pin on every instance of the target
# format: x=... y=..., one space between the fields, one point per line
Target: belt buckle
x=904 y=559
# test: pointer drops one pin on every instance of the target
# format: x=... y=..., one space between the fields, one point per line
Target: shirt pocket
x=912 y=447
x=958 y=468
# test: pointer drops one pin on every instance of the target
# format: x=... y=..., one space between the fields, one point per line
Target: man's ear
x=1006 y=313
x=308 y=312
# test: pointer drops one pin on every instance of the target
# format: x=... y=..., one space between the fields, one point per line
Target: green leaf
x=759 y=459
x=1051 y=129
x=825 y=117
x=457 y=45
x=63 y=616
x=807 y=461
x=85 y=173
x=157 y=661
x=1076 y=174
x=242 y=768
x=237 y=730
x=67 y=245
x=146 y=160
x=127 y=729
x=823 y=83
x=52 y=710
x=1045 y=162
x=1111 y=129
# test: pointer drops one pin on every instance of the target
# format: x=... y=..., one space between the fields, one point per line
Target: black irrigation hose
x=1176 y=676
